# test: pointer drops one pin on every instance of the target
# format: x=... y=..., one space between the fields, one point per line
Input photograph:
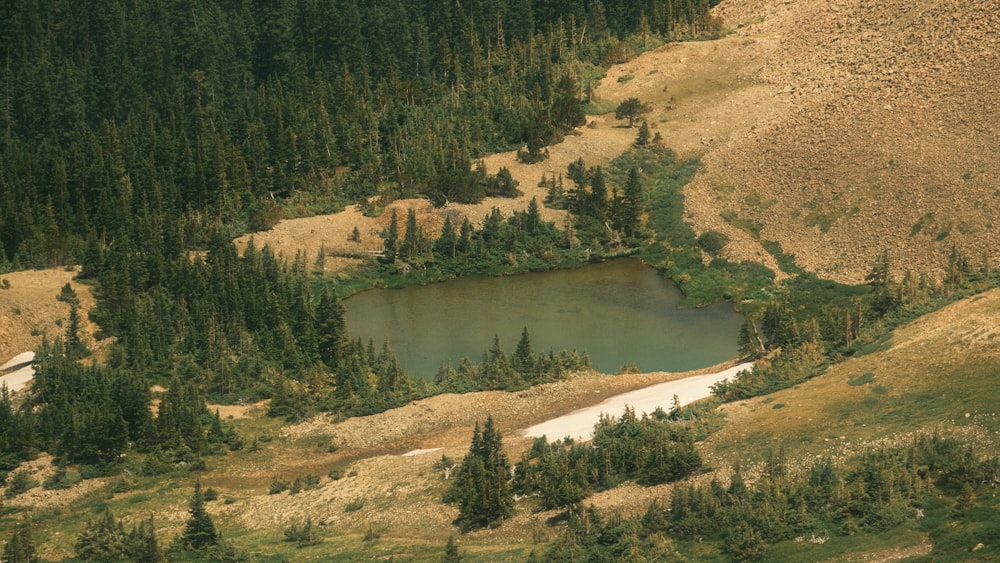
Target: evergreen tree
x=103 y=540
x=392 y=238
x=75 y=348
x=598 y=207
x=503 y=185
x=412 y=237
x=749 y=343
x=465 y=236
x=447 y=244
x=630 y=210
x=199 y=531
x=524 y=357
x=331 y=330
x=642 y=139
x=481 y=487
x=631 y=109
x=566 y=112
x=141 y=544
x=883 y=299
x=68 y=295
x=533 y=219
x=451 y=554
x=20 y=547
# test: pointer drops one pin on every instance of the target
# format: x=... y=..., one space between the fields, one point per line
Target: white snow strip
x=420 y=452
x=579 y=424
x=19 y=379
x=22 y=358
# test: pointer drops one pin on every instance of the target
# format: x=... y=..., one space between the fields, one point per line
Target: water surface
x=619 y=312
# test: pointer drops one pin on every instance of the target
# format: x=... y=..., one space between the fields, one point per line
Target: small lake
x=619 y=312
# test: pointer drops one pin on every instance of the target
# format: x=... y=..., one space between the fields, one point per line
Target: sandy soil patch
x=29 y=310
x=387 y=459
x=41 y=468
x=882 y=137
x=230 y=412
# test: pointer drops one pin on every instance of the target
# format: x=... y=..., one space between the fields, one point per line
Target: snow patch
x=579 y=424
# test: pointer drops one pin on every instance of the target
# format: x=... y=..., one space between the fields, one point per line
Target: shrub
x=156 y=463
x=355 y=505
x=372 y=534
x=19 y=482
x=278 y=485
x=303 y=535
x=862 y=379
x=629 y=367
x=98 y=470
x=713 y=241
x=61 y=479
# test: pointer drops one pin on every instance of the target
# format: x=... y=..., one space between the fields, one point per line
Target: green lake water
x=619 y=312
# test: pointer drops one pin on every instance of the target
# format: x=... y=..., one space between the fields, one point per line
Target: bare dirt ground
x=394 y=485
x=29 y=309
x=886 y=138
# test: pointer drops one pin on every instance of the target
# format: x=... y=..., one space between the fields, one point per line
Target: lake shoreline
x=623 y=314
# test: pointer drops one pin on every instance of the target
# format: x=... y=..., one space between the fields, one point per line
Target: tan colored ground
x=29 y=310
x=926 y=358
x=886 y=138
x=373 y=446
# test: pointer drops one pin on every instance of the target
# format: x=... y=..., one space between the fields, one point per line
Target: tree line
x=224 y=113
x=650 y=449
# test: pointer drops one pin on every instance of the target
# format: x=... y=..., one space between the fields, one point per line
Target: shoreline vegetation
x=139 y=141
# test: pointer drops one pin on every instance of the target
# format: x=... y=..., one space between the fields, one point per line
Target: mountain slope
x=887 y=139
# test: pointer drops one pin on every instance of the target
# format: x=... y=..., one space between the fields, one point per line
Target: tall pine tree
x=481 y=488
x=199 y=532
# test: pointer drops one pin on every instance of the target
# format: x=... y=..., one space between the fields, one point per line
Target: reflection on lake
x=619 y=312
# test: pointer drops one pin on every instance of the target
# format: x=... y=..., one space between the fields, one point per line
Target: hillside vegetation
x=201 y=399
